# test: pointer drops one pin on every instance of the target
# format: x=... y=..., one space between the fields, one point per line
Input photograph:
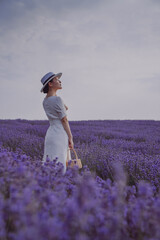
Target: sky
x=108 y=52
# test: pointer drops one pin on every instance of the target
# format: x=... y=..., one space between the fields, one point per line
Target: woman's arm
x=66 y=107
x=66 y=126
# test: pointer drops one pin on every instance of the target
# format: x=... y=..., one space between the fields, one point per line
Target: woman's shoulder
x=49 y=99
x=59 y=98
x=55 y=99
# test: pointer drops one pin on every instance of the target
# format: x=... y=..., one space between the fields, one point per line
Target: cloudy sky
x=107 y=50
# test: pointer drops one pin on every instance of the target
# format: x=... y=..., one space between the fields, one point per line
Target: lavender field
x=115 y=196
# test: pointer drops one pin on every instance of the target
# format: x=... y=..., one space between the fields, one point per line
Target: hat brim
x=56 y=75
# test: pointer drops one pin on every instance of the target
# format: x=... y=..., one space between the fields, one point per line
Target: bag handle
x=74 y=153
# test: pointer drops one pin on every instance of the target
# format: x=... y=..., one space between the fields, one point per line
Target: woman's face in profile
x=56 y=83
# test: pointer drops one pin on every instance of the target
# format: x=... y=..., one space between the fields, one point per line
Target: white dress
x=56 y=138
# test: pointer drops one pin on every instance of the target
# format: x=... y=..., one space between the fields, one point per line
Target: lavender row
x=99 y=144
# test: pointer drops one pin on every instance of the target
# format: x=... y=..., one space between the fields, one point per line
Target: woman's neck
x=51 y=93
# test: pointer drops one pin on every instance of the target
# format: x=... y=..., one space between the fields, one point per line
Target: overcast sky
x=107 y=50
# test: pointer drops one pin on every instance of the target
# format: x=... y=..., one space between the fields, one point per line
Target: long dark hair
x=46 y=88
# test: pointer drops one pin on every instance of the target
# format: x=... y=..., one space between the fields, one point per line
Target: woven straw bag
x=74 y=162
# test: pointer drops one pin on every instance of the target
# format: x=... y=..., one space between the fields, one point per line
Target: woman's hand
x=71 y=144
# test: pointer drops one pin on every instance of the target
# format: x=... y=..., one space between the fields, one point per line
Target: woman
x=58 y=137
